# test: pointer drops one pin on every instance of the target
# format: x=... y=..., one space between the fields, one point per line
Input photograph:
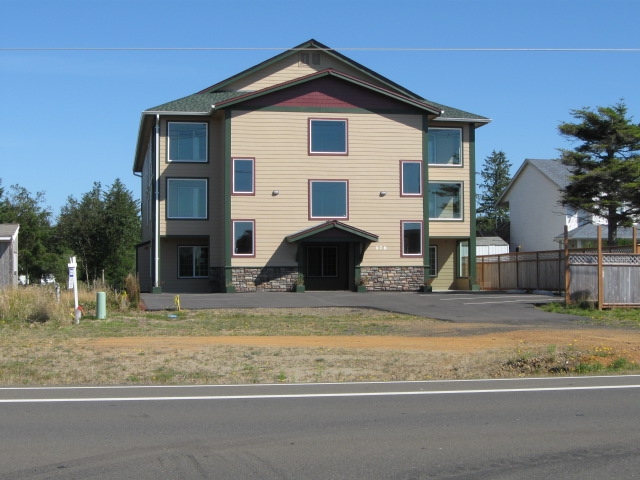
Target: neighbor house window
x=243 y=176
x=327 y=136
x=433 y=261
x=187 y=142
x=463 y=258
x=243 y=238
x=193 y=262
x=411 y=173
x=322 y=261
x=187 y=198
x=445 y=146
x=328 y=199
x=445 y=201
x=411 y=238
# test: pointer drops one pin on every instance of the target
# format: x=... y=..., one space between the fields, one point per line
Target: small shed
x=9 y=254
x=491 y=246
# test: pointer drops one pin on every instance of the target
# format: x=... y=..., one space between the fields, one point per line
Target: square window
x=411 y=178
x=411 y=238
x=327 y=137
x=445 y=200
x=243 y=238
x=433 y=261
x=187 y=198
x=328 y=199
x=193 y=262
x=243 y=176
x=187 y=142
x=445 y=146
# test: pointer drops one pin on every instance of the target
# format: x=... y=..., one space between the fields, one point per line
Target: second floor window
x=327 y=136
x=445 y=201
x=243 y=175
x=187 y=198
x=187 y=142
x=411 y=173
x=328 y=199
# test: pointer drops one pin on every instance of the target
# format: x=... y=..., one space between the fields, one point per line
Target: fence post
x=600 y=270
x=567 y=272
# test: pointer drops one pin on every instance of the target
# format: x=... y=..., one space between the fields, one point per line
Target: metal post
x=600 y=270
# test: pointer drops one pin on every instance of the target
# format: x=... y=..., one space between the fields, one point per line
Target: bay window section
x=411 y=239
x=187 y=198
x=445 y=146
x=187 y=142
x=243 y=238
x=411 y=181
x=193 y=262
x=328 y=199
x=327 y=136
x=445 y=201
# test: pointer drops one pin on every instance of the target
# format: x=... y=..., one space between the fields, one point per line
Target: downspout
x=156 y=234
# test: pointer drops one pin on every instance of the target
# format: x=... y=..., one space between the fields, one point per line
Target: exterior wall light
x=275 y=192
x=383 y=193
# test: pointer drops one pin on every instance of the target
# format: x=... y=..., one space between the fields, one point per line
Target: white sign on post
x=73 y=281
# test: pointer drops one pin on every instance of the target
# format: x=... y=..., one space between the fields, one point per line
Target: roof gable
x=553 y=170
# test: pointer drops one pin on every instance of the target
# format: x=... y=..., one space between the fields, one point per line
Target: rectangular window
x=445 y=201
x=187 y=198
x=411 y=239
x=193 y=262
x=243 y=176
x=463 y=258
x=433 y=261
x=411 y=180
x=322 y=261
x=445 y=146
x=328 y=199
x=187 y=142
x=327 y=137
x=243 y=238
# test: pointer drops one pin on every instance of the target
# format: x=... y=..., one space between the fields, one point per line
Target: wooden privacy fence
x=606 y=278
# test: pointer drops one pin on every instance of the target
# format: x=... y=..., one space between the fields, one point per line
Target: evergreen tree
x=495 y=179
x=605 y=165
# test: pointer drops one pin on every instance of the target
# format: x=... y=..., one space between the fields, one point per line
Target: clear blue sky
x=70 y=117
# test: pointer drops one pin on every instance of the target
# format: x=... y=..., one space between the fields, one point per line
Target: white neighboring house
x=9 y=254
x=536 y=215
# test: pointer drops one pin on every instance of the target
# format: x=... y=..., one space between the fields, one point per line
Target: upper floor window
x=327 y=136
x=411 y=173
x=445 y=201
x=187 y=198
x=411 y=238
x=187 y=142
x=445 y=146
x=328 y=199
x=243 y=176
x=193 y=262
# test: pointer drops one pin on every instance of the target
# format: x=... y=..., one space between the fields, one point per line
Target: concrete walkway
x=467 y=307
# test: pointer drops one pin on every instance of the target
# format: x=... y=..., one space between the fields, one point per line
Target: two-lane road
x=587 y=428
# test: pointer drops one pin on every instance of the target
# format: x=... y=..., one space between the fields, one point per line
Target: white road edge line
x=314 y=395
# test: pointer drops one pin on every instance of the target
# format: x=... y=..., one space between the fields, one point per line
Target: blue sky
x=70 y=107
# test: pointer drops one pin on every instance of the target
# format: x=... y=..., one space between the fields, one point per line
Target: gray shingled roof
x=8 y=229
x=196 y=103
x=554 y=169
x=590 y=232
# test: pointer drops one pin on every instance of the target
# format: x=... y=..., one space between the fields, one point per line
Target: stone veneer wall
x=393 y=279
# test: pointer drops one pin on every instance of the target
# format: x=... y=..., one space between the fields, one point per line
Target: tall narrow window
x=187 y=142
x=327 y=136
x=411 y=173
x=411 y=238
x=433 y=261
x=243 y=176
x=445 y=201
x=193 y=262
x=463 y=258
x=187 y=198
x=328 y=199
x=243 y=238
x=445 y=146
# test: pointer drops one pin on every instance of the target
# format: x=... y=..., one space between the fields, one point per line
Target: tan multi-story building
x=308 y=166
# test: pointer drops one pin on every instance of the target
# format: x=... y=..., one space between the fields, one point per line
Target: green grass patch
x=614 y=317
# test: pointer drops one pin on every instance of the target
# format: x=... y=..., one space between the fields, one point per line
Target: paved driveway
x=480 y=307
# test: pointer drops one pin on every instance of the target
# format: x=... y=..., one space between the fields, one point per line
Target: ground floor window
x=411 y=238
x=322 y=261
x=193 y=262
x=433 y=261
x=463 y=258
x=243 y=238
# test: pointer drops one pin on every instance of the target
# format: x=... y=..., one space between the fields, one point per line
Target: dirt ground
x=461 y=338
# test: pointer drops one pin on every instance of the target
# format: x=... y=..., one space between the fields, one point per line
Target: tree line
x=100 y=229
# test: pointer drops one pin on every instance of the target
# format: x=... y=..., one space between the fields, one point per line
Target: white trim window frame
x=240 y=239
x=321 y=143
x=190 y=197
x=404 y=174
x=411 y=247
x=441 y=201
x=453 y=158
x=238 y=180
x=187 y=145
x=330 y=200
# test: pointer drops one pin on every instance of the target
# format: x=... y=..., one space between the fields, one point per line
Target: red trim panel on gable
x=326 y=92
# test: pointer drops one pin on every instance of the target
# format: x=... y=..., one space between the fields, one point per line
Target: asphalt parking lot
x=507 y=308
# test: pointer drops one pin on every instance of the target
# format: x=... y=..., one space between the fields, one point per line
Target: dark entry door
x=327 y=267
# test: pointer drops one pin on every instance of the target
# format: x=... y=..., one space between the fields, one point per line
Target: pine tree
x=495 y=179
x=605 y=165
